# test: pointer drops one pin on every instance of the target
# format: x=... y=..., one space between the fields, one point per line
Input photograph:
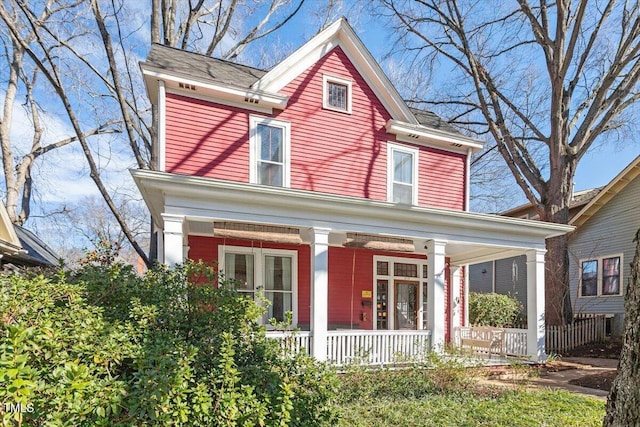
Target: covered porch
x=324 y=227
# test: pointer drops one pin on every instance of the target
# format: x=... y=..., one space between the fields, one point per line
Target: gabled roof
x=339 y=34
x=37 y=252
x=205 y=68
x=631 y=172
x=578 y=200
x=257 y=89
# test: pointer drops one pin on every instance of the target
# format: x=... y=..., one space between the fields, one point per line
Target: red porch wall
x=347 y=279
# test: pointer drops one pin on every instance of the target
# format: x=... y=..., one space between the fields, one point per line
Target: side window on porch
x=278 y=288
x=267 y=273
x=240 y=267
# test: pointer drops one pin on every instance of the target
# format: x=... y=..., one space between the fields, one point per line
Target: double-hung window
x=402 y=174
x=336 y=94
x=271 y=273
x=601 y=276
x=269 y=142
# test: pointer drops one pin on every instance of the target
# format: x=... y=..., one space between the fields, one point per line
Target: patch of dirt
x=609 y=349
x=601 y=381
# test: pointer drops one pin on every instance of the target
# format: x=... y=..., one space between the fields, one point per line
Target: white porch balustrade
x=363 y=347
x=514 y=341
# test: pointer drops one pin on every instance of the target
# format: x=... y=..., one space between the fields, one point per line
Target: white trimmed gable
x=339 y=34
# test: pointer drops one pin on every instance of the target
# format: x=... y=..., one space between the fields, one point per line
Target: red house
x=317 y=186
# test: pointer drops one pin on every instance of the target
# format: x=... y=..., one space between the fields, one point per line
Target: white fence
x=582 y=331
x=514 y=341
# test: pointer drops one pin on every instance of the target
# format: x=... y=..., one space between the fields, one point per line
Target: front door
x=406 y=302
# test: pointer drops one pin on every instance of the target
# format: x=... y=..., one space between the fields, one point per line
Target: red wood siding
x=331 y=152
x=206 y=139
x=442 y=180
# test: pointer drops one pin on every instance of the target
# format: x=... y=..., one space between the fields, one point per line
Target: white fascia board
x=419 y=134
x=192 y=197
x=246 y=97
x=339 y=34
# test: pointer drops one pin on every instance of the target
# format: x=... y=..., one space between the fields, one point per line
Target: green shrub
x=106 y=347
x=493 y=309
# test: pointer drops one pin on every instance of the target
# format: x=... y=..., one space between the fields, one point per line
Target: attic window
x=336 y=94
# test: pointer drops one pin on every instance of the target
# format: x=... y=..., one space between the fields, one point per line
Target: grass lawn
x=451 y=398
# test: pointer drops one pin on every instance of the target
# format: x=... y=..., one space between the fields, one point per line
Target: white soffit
x=190 y=86
x=420 y=134
x=211 y=198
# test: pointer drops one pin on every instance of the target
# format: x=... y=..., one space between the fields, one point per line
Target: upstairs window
x=336 y=94
x=600 y=277
x=269 y=151
x=402 y=171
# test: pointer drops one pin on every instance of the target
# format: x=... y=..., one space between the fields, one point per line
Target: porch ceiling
x=471 y=237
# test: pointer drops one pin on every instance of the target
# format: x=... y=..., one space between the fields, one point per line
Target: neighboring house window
x=336 y=94
x=402 y=170
x=600 y=276
x=270 y=273
x=269 y=151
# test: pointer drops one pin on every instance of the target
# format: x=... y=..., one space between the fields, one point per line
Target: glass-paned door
x=406 y=304
x=277 y=286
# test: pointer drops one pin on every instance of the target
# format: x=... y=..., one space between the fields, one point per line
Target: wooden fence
x=582 y=331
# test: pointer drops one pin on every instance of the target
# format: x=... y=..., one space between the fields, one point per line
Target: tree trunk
x=558 y=310
x=556 y=200
x=623 y=404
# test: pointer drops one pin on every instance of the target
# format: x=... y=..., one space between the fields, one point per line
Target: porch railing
x=361 y=346
x=514 y=341
x=377 y=347
x=293 y=342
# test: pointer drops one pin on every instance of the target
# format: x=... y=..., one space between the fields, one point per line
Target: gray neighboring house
x=600 y=250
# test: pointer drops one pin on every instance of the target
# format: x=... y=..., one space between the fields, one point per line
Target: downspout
x=467 y=190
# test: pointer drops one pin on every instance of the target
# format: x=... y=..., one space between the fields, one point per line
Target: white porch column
x=436 y=310
x=535 y=306
x=456 y=301
x=175 y=249
x=319 y=291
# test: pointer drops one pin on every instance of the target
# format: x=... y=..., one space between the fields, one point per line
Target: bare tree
x=546 y=81
x=84 y=53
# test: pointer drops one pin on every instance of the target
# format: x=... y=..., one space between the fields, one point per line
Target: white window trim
x=391 y=147
x=254 y=121
x=599 y=278
x=326 y=79
x=391 y=278
x=258 y=258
